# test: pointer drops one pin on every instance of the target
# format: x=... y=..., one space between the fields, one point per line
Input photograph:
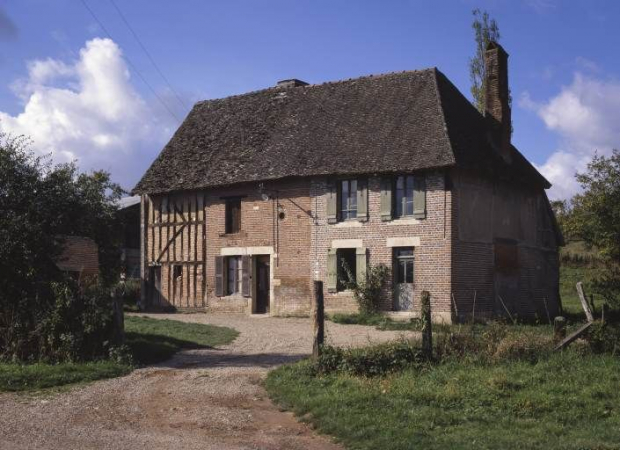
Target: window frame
x=352 y=262
x=347 y=208
x=406 y=200
x=408 y=260
x=234 y=282
x=232 y=221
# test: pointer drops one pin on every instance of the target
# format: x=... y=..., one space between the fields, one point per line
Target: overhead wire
x=148 y=54
x=131 y=64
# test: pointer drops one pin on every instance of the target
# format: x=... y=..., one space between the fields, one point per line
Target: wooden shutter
x=360 y=264
x=219 y=276
x=246 y=273
x=332 y=270
x=332 y=202
x=386 y=199
x=419 y=197
x=362 y=200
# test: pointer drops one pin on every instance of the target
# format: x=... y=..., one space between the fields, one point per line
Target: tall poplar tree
x=485 y=30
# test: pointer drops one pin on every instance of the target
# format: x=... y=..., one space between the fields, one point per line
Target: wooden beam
x=584 y=302
x=572 y=337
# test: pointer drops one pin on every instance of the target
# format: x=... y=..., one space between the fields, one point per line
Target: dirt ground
x=200 y=399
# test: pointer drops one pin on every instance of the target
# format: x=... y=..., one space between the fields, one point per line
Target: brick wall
x=432 y=257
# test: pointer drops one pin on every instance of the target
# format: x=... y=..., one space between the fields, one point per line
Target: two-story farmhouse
x=257 y=195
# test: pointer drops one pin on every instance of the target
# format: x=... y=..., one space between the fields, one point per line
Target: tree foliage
x=594 y=217
x=485 y=30
x=40 y=204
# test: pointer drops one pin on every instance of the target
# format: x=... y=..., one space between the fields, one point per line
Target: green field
x=149 y=340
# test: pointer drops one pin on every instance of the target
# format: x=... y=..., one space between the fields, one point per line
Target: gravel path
x=200 y=399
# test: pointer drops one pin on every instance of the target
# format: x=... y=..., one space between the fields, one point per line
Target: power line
x=135 y=35
x=131 y=64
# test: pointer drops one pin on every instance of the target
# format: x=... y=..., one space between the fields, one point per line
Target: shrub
x=367 y=292
x=369 y=361
x=604 y=338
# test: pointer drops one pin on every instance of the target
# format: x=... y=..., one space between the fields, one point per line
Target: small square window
x=233 y=215
x=177 y=271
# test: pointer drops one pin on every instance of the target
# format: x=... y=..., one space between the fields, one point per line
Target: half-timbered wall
x=175 y=229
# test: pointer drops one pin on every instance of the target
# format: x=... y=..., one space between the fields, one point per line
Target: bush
x=367 y=292
x=369 y=361
x=604 y=338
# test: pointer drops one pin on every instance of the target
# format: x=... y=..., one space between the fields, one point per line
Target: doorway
x=155 y=285
x=262 y=284
x=403 y=279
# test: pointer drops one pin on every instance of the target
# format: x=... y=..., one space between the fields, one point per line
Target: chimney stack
x=497 y=98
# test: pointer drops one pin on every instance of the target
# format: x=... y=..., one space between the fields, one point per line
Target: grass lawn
x=567 y=401
x=149 y=340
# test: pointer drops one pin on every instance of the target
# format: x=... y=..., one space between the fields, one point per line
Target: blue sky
x=78 y=97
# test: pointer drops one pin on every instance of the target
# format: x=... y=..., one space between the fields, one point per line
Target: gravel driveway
x=200 y=399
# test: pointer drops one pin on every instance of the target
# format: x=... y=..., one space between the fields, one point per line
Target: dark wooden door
x=155 y=285
x=262 y=284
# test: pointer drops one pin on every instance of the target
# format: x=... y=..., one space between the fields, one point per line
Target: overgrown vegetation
x=149 y=341
x=483 y=381
x=42 y=315
x=367 y=291
x=485 y=31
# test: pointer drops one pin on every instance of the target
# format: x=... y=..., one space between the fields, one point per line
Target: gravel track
x=200 y=399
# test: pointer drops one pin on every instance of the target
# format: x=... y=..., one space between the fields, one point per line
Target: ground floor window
x=234 y=275
x=346 y=267
x=403 y=265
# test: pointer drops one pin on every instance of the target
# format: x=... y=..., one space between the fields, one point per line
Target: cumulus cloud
x=88 y=110
x=584 y=114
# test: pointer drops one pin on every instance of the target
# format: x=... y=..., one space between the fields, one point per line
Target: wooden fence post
x=427 y=331
x=584 y=302
x=604 y=311
x=118 y=319
x=319 y=319
x=559 y=328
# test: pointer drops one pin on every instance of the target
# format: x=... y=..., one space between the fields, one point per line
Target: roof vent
x=293 y=82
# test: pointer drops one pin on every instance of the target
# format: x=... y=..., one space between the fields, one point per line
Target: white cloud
x=584 y=114
x=88 y=111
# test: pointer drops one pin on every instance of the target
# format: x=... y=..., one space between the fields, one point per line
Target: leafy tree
x=485 y=30
x=39 y=205
x=595 y=218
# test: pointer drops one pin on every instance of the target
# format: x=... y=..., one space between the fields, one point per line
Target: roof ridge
x=316 y=85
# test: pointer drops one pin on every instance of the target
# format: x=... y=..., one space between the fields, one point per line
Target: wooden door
x=262 y=284
x=403 y=279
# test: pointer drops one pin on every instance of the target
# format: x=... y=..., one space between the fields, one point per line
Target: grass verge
x=565 y=401
x=149 y=340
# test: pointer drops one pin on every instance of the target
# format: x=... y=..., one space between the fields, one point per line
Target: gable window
x=348 y=199
x=233 y=215
x=346 y=262
x=403 y=198
x=234 y=275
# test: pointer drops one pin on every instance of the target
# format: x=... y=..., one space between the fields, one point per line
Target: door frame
x=395 y=290
x=255 y=283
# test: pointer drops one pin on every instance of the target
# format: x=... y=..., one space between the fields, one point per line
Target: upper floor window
x=233 y=215
x=348 y=199
x=403 y=198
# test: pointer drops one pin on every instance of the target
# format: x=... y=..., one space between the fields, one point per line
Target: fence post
x=559 y=328
x=318 y=314
x=427 y=331
x=118 y=318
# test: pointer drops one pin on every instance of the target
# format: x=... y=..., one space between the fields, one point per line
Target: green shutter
x=332 y=270
x=360 y=264
x=386 y=199
x=219 y=276
x=246 y=274
x=362 y=200
x=419 y=197
x=332 y=202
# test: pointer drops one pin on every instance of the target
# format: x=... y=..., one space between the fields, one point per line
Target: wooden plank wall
x=175 y=239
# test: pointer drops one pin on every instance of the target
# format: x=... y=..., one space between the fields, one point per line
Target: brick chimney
x=497 y=98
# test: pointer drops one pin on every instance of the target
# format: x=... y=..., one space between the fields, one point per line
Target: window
x=234 y=275
x=348 y=199
x=403 y=265
x=346 y=261
x=233 y=215
x=177 y=271
x=403 y=200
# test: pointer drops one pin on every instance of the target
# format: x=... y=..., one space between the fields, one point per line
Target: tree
x=39 y=205
x=485 y=30
x=595 y=218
